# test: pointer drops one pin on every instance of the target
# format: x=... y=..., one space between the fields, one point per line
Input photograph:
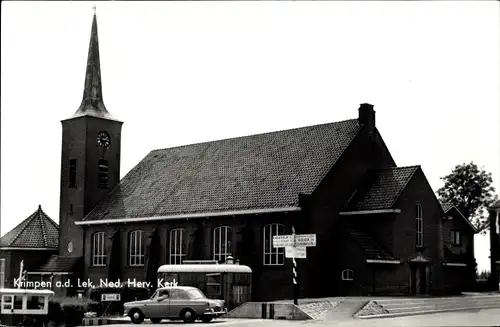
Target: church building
x=379 y=228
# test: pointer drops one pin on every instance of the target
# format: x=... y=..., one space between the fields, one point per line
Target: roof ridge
x=251 y=135
x=28 y=222
x=44 y=233
x=392 y=168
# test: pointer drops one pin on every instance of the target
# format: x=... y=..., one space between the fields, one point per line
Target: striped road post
x=295 y=279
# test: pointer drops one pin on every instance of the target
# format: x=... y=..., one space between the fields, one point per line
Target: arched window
x=99 y=249
x=273 y=256
x=347 y=274
x=177 y=246
x=419 y=213
x=223 y=239
x=136 y=248
x=103 y=174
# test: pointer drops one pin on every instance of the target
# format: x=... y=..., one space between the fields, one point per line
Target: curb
x=102 y=321
x=415 y=313
x=269 y=310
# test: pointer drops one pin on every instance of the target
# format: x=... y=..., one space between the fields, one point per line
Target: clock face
x=103 y=139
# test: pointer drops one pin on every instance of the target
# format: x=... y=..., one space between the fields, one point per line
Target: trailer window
x=213 y=284
x=7 y=302
x=35 y=302
x=18 y=302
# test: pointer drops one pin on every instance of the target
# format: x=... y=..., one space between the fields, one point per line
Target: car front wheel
x=137 y=317
x=206 y=319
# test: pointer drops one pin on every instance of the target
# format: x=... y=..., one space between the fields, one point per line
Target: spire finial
x=95 y=9
x=92 y=102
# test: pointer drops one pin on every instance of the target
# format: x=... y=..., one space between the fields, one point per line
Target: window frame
x=347 y=275
x=419 y=228
x=268 y=234
x=103 y=174
x=454 y=233
x=136 y=238
x=177 y=254
x=220 y=256
x=99 y=243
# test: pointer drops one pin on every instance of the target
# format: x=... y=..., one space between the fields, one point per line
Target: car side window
x=178 y=295
x=163 y=293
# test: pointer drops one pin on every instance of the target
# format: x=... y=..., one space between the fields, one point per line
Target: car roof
x=184 y=288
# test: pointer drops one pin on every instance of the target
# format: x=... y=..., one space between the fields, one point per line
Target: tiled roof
x=36 y=231
x=381 y=188
x=371 y=248
x=252 y=172
x=446 y=207
x=58 y=263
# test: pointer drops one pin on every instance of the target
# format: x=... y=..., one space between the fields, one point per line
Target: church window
x=222 y=243
x=347 y=274
x=99 y=249
x=72 y=173
x=456 y=237
x=273 y=256
x=177 y=246
x=136 y=248
x=103 y=173
x=419 y=227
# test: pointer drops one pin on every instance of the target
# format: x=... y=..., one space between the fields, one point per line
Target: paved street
x=489 y=317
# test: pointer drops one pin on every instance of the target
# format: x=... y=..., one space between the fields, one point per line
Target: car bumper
x=215 y=313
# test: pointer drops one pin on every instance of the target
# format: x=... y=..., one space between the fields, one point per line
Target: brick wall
x=79 y=141
x=329 y=198
x=269 y=282
x=419 y=191
x=32 y=260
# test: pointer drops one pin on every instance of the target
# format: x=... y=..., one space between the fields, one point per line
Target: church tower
x=90 y=160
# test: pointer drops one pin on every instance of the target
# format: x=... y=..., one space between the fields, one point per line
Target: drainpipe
x=2 y=273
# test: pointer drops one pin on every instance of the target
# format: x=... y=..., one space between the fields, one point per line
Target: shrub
x=69 y=310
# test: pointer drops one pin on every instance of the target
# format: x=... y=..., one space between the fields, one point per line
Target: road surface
x=488 y=317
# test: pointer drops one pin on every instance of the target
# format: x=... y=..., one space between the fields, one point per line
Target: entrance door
x=423 y=280
x=419 y=279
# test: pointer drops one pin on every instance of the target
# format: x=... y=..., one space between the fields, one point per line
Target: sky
x=185 y=72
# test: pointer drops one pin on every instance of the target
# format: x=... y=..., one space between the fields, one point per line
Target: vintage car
x=175 y=303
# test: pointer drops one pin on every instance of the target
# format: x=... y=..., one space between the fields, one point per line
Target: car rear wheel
x=188 y=315
x=155 y=320
x=136 y=316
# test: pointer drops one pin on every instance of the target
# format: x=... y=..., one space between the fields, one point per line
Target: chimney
x=366 y=118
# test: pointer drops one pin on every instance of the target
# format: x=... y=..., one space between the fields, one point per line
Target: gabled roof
x=496 y=205
x=58 y=263
x=261 y=171
x=37 y=231
x=447 y=207
x=372 y=249
x=381 y=188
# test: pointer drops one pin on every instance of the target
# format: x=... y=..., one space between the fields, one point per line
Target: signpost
x=110 y=297
x=295 y=248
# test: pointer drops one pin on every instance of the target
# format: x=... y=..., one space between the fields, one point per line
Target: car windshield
x=154 y=294
x=196 y=294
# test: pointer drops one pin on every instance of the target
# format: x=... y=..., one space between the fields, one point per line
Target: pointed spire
x=92 y=102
